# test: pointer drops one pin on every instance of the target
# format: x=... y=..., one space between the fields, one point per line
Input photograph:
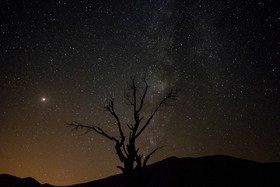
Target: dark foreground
x=211 y=171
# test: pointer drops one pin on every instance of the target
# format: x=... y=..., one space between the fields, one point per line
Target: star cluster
x=61 y=59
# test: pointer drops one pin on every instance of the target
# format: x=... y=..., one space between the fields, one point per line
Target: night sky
x=61 y=59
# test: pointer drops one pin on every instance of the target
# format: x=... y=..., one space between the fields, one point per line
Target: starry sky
x=61 y=59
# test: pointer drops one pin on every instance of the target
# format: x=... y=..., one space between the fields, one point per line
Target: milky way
x=60 y=61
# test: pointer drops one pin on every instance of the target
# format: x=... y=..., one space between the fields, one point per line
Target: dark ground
x=218 y=171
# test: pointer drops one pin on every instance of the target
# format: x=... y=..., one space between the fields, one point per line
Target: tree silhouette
x=134 y=164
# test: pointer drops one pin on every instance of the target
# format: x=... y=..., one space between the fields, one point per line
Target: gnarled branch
x=170 y=95
x=110 y=108
x=142 y=98
x=76 y=126
x=149 y=155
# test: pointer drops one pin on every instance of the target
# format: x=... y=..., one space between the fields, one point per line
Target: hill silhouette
x=210 y=171
x=12 y=181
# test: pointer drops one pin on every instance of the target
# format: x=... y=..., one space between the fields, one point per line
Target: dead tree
x=134 y=163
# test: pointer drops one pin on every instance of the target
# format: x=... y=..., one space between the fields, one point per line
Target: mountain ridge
x=214 y=170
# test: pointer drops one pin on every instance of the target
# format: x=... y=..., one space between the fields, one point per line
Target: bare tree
x=134 y=163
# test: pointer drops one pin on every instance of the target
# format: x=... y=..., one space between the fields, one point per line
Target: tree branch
x=143 y=97
x=110 y=107
x=171 y=94
x=127 y=96
x=134 y=95
x=149 y=155
x=129 y=126
x=124 y=150
x=76 y=126
x=121 y=168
